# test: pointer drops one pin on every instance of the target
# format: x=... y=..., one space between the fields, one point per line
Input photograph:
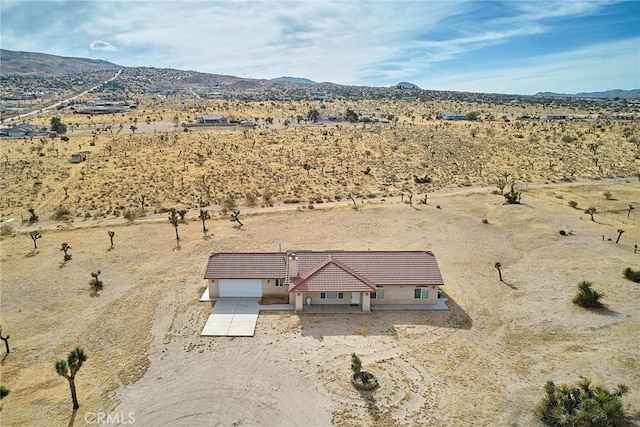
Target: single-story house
x=553 y=116
x=453 y=116
x=24 y=129
x=79 y=157
x=212 y=119
x=362 y=278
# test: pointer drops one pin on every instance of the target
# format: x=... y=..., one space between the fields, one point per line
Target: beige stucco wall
x=403 y=294
x=269 y=289
x=213 y=288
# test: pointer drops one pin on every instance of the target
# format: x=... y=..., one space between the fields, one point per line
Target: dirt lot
x=484 y=362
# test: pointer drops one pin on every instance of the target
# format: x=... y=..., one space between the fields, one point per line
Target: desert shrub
x=485 y=221
x=290 y=201
x=607 y=195
x=563 y=233
x=573 y=204
x=61 y=213
x=422 y=180
x=631 y=274
x=129 y=214
x=251 y=199
x=6 y=230
x=581 y=405
x=310 y=206
x=587 y=297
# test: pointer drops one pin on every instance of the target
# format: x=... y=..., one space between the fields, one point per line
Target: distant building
x=553 y=116
x=453 y=116
x=212 y=119
x=24 y=129
x=79 y=157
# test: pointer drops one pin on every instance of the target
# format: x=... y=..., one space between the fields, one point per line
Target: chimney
x=293 y=265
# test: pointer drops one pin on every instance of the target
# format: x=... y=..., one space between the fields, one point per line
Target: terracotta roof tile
x=379 y=267
x=332 y=276
x=265 y=265
x=328 y=271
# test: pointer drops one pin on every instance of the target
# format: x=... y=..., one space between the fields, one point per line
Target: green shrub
x=587 y=297
x=573 y=204
x=61 y=214
x=581 y=405
x=631 y=274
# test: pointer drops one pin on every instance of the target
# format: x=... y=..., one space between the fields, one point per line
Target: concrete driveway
x=232 y=317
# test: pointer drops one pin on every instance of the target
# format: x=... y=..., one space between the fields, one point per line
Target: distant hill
x=45 y=65
x=406 y=85
x=615 y=93
x=299 y=80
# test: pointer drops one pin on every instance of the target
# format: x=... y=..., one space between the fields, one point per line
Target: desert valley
x=313 y=167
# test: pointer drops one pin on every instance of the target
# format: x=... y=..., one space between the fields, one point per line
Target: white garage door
x=240 y=287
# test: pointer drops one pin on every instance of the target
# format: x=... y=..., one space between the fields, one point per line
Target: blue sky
x=516 y=47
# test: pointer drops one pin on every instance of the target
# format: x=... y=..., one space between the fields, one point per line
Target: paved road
x=52 y=106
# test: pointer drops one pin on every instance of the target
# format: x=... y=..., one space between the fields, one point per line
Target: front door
x=355 y=298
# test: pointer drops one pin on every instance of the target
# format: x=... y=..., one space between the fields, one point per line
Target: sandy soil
x=484 y=362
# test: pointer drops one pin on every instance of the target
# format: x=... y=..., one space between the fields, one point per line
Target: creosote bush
x=587 y=297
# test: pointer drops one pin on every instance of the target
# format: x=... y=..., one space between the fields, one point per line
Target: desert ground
x=483 y=362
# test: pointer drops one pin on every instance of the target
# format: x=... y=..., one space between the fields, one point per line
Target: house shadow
x=382 y=322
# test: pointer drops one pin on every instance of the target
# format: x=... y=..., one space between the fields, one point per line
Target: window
x=421 y=292
x=331 y=295
x=279 y=282
x=379 y=294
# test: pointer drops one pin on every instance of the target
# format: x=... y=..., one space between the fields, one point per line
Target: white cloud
x=582 y=70
x=102 y=45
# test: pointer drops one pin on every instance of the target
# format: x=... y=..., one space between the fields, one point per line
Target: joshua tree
x=620 y=231
x=32 y=216
x=587 y=297
x=70 y=368
x=65 y=248
x=35 y=235
x=631 y=207
x=142 y=199
x=307 y=167
x=355 y=205
x=174 y=219
x=498 y=267
x=95 y=281
x=512 y=197
x=111 y=234
x=235 y=217
x=6 y=341
x=204 y=215
x=590 y=210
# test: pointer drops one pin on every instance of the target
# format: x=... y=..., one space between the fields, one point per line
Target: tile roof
x=331 y=276
x=329 y=271
x=256 y=265
x=379 y=267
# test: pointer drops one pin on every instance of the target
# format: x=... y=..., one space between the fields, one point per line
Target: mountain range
x=46 y=65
